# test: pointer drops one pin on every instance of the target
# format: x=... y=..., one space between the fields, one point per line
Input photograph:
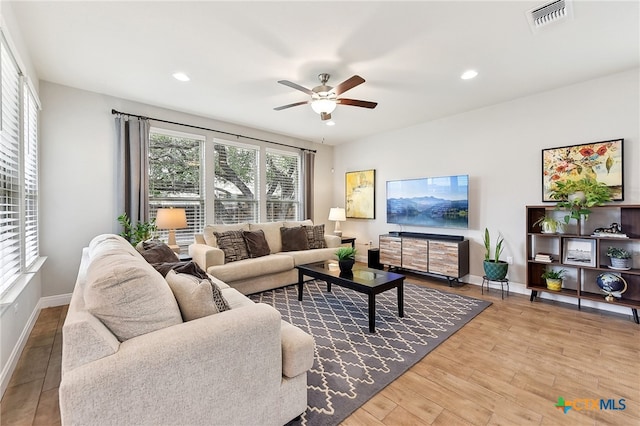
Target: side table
x=351 y=240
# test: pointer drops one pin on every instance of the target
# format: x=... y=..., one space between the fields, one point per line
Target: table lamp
x=337 y=214
x=171 y=219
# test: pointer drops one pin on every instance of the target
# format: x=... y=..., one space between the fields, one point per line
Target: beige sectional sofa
x=128 y=358
x=263 y=273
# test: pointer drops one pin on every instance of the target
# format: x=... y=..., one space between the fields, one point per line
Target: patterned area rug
x=351 y=364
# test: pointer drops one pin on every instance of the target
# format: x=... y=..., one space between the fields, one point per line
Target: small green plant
x=618 y=253
x=487 y=246
x=595 y=194
x=554 y=274
x=346 y=253
x=549 y=224
x=142 y=231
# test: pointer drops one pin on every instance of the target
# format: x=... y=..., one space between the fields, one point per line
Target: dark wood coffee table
x=364 y=280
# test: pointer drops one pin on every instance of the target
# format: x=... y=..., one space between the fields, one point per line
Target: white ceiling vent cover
x=549 y=13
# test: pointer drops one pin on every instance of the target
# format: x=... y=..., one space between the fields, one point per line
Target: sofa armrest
x=206 y=256
x=332 y=240
x=297 y=350
x=190 y=373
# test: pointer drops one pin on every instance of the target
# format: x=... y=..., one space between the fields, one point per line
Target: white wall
x=499 y=147
x=77 y=172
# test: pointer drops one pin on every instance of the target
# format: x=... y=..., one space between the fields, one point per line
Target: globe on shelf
x=612 y=285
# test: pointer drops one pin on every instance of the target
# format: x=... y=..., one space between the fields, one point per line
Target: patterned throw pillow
x=315 y=236
x=233 y=245
x=294 y=239
x=257 y=245
x=196 y=298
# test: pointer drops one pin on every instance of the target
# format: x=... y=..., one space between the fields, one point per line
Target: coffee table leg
x=329 y=286
x=300 y=284
x=372 y=313
x=401 y=299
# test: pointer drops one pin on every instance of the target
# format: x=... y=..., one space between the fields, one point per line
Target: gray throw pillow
x=233 y=245
x=155 y=251
x=294 y=239
x=315 y=236
x=257 y=245
x=196 y=297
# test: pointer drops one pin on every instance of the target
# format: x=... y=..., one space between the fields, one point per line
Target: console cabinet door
x=443 y=258
x=391 y=251
x=415 y=254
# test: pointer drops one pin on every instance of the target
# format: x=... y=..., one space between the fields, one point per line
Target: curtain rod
x=113 y=111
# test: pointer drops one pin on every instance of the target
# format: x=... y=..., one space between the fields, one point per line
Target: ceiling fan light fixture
x=323 y=105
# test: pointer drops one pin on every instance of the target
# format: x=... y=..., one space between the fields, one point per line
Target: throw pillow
x=315 y=236
x=129 y=296
x=257 y=245
x=294 y=239
x=155 y=251
x=196 y=298
x=233 y=245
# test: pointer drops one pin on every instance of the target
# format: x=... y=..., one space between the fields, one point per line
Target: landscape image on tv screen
x=441 y=202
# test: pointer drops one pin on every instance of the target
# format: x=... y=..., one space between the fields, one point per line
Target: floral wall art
x=599 y=160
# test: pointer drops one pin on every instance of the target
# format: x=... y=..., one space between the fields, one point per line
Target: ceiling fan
x=324 y=99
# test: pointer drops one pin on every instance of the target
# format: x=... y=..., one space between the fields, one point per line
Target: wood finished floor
x=508 y=366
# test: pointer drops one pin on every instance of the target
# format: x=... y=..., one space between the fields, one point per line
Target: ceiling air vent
x=549 y=13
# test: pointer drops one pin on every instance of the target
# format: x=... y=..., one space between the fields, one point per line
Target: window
x=283 y=185
x=18 y=172
x=236 y=196
x=175 y=179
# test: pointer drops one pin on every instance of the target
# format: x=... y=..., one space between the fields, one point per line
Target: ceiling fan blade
x=347 y=84
x=296 y=86
x=325 y=116
x=291 y=105
x=356 y=102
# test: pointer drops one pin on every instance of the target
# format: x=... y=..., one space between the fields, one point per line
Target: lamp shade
x=323 y=105
x=171 y=219
x=338 y=214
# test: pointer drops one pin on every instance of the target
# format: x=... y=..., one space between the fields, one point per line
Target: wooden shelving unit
x=581 y=279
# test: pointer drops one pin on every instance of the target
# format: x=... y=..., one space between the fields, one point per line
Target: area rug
x=351 y=364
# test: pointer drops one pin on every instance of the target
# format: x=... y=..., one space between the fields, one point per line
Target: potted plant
x=620 y=258
x=346 y=258
x=577 y=196
x=550 y=225
x=494 y=268
x=142 y=231
x=554 y=278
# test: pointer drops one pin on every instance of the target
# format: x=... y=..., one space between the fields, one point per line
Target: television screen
x=441 y=202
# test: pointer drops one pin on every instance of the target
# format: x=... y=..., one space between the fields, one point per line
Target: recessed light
x=331 y=123
x=180 y=76
x=469 y=74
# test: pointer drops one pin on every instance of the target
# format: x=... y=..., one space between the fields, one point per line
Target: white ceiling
x=410 y=53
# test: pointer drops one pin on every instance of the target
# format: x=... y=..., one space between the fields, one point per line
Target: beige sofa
x=263 y=273
x=241 y=366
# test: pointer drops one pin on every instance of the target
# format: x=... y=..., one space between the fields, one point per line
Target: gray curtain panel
x=132 y=167
x=308 y=164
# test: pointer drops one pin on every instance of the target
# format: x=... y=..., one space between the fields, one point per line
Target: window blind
x=30 y=155
x=10 y=237
x=283 y=185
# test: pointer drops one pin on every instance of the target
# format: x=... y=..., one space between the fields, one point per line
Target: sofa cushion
x=257 y=245
x=209 y=236
x=250 y=268
x=129 y=296
x=233 y=245
x=312 y=256
x=155 y=251
x=271 y=233
x=294 y=239
x=235 y=298
x=296 y=223
x=105 y=244
x=196 y=297
x=315 y=236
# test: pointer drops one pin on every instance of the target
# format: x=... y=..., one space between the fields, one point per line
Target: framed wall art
x=360 y=194
x=579 y=251
x=599 y=160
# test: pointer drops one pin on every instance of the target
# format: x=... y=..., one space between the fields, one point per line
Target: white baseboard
x=44 y=302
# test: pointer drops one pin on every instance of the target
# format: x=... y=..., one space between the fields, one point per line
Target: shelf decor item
x=579 y=251
x=554 y=278
x=612 y=286
x=346 y=258
x=601 y=161
x=494 y=268
x=577 y=196
x=360 y=194
x=620 y=258
x=549 y=225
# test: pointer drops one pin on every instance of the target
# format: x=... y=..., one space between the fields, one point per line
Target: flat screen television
x=440 y=202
